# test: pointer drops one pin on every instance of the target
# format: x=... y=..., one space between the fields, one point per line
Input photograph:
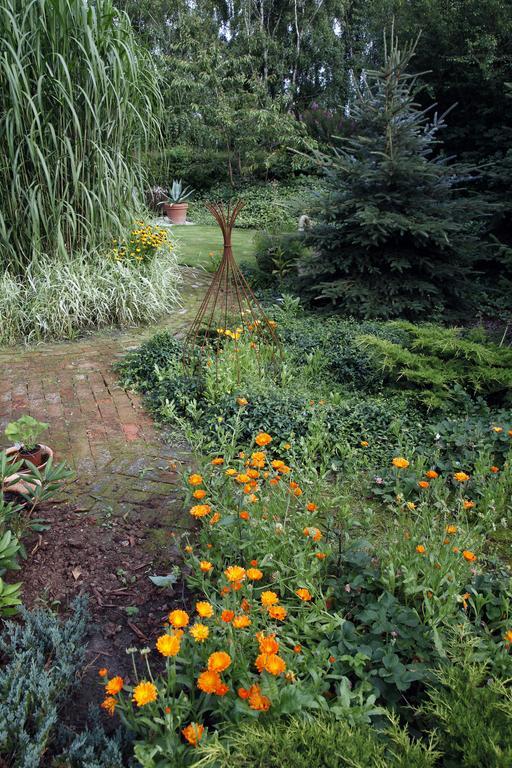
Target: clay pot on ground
x=19 y=482
x=38 y=457
x=176 y=212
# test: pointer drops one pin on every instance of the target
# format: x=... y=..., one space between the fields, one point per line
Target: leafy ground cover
x=345 y=565
x=201 y=245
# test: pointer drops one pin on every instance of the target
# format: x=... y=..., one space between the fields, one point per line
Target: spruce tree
x=394 y=236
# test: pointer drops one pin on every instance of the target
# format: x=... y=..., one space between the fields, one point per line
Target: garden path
x=100 y=430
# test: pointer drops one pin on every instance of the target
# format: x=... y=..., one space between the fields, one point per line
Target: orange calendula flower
x=169 y=645
x=494 y=470
x=432 y=474
x=227 y=616
x=461 y=477
x=257 y=700
x=254 y=563
x=109 y=705
x=188 y=549
x=242 y=479
x=254 y=574
x=311 y=507
x=221 y=689
x=244 y=515
x=271 y=663
x=320 y=555
x=199 y=494
x=268 y=598
x=277 y=612
x=304 y=594
x=218 y=461
x=193 y=733
x=287 y=446
x=400 y=463
x=208 y=681
x=253 y=474
x=245 y=606
x=114 y=686
x=267 y=644
x=423 y=484
x=219 y=661
x=364 y=443
x=420 y=549
x=195 y=480
x=144 y=693
x=497 y=429
x=103 y=672
x=178 y=618
x=242 y=401
x=297 y=648
x=469 y=556
x=455 y=550
x=508 y=636
x=215 y=518
x=200 y=510
x=243 y=693
x=262 y=439
x=199 y=632
x=467 y=504
x=205 y=566
x=204 y=609
x=235 y=573
x=451 y=529
x=240 y=622
x=510 y=433
x=231 y=472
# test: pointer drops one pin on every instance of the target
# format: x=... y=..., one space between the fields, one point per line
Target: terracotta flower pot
x=19 y=482
x=176 y=212
x=36 y=457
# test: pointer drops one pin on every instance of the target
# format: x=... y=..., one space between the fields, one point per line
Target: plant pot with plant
x=24 y=434
x=175 y=208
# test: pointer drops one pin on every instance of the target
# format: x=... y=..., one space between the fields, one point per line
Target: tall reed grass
x=79 y=101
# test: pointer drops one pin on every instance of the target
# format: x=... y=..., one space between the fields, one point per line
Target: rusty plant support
x=229 y=301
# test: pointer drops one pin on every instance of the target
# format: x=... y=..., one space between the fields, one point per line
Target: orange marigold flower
x=271 y=663
x=274 y=480
x=268 y=644
x=219 y=661
x=242 y=478
x=103 y=672
x=240 y=622
x=254 y=563
x=253 y=474
x=304 y=594
x=208 y=681
x=268 y=598
x=195 y=480
x=242 y=401
x=468 y=504
x=364 y=443
x=243 y=693
x=421 y=549
x=115 y=685
x=508 y=636
x=311 y=507
x=320 y=555
x=494 y=470
x=451 y=529
x=461 y=477
x=225 y=590
x=455 y=550
x=332 y=659
x=193 y=733
x=277 y=612
x=199 y=494
x=432 y=474
x=297 y=648
x=400 y=463
x=227 y=616
x=469 y=556
x=510 y=433
x=200 y=510
x=178 y=618
x=205 y=566
x=204 y=609
x=144 y=693
x=254 y=574
x=257 y=700
x=231 y=472
x=199 y=632
x=244 y=515
x=221 y=689
x=109 y=705
x=423 y=484
x=188 y=549
x=245 y=606
x=215 y=518
x=234 y=573
x=497 y=429
x=446 y=541
x=218 y=461
x=169 y=645
x=263 y=438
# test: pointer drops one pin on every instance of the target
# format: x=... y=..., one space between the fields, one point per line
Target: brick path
x=100 y=430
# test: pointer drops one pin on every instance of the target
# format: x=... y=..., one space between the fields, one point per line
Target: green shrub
x=471 y=713
x=277 y=254
x=318 y=743
x=41 y=658
x=60 y=299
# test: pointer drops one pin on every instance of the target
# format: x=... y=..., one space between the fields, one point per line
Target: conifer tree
x=393 y=234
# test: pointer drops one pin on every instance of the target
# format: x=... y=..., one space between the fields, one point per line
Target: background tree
x=393 y=238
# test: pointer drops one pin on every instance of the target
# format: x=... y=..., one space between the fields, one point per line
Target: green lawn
x=194 y=243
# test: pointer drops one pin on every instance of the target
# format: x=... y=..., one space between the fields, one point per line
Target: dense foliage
x=78 y=101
